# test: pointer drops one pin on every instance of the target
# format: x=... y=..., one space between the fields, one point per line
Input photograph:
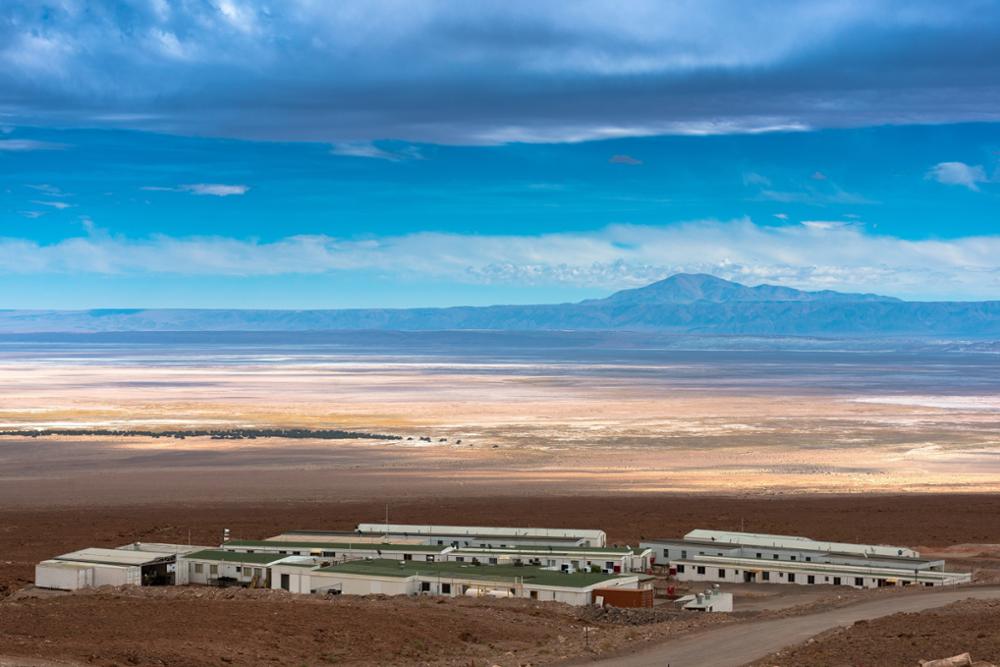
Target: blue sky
x=307 y=154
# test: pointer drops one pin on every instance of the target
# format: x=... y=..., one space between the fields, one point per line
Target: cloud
x=209 y=189
x=48 y=189
x=24 y=145
x=32 y=215
x=958 y=173
x=370 y=150
x=495 y=71
x=216 y=189
x=60 y=205
x=624 y=159
x=818 y=176
x=817 y=255
x=781 y=216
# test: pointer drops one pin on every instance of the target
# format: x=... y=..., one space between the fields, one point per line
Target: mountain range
x=683 y=303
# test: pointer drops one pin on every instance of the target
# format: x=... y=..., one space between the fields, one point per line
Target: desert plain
x=875 y=446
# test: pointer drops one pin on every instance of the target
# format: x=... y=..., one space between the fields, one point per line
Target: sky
x=307 y=154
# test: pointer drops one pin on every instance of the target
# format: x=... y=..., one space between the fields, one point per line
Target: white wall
x=62 y=577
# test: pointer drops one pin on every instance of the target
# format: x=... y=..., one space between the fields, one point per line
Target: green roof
x=501 y=573
x=235 y=557
x=336 y=546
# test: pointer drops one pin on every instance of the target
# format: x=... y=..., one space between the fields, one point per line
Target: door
x=749 y=577
x=286 y=583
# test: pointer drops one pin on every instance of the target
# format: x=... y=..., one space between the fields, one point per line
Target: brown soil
x=903 y=639
x=203 y=626
x=207 y=627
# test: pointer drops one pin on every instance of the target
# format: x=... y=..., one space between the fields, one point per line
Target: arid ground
x=892 y=449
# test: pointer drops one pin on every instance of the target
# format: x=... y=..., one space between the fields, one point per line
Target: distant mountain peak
x=702 y=287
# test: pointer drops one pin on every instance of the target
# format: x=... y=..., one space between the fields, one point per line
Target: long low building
x=718 y=569
x=610 y=560
x=452 y=579
x=340 y=551
x=566 y=558
x=716 y=556
x=487 y=535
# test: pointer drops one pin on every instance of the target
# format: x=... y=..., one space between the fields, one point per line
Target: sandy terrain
x=557 y=429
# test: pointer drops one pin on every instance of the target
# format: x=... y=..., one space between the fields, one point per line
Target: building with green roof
x=395 y=577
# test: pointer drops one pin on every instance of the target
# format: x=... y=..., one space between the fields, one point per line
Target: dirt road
x=742 y=643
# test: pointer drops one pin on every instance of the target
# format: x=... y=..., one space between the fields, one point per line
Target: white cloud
x=210 y=189
x=958 y=173
x=819 y=255
x=370 y=150
x=60 y=205
x=216 y=189
x=23 y=145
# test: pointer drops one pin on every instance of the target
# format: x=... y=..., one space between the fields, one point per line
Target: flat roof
x=506 y=574
x=164 y=547
x=796 y=541
x=366 y=546
x=550 y=551
x=235 y=557
x=127 y=557
x=851 y=570
x=486 y=531
x=730 y=546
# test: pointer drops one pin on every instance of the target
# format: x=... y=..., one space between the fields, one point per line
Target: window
x=793 y=557
x=758 y=554
x=199 y=568
x=684 y=554
x=836 y=581
x=701 y=569
x=680 y=569
x=810 y=579
x=213 y=570
x=809 y=558
x=329 y=554
x=791 y=577
x=460 y=559
x=666 y=553
x=445 y=589
x=609 y=565
x=283 y=553
x=775 y=556
x=722 y=573
x=425 y=586
x=533 y=595
x=765 y=576
x=239 y=568
x=430 y=558
x=407 y=556
x=493 y=561
x=858 y=581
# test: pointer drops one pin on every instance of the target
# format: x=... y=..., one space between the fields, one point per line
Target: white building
x=106 y=567
x=331 y=552
x=393 y=577
x=720 y=556
x=217 y=567
x=610 y=560
x=487 y=535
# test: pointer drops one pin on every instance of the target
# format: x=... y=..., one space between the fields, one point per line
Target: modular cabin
x=393 y=577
